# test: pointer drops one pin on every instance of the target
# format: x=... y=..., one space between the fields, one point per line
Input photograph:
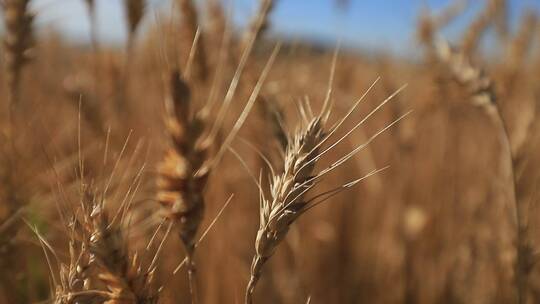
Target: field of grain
x=202 y=163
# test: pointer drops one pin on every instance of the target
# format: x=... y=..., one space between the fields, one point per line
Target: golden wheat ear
x=481 y=93
x=102 y=266
x=183 y=172
x=187 y=164
x=288 y=190
x=118 y=270
x=73 y=284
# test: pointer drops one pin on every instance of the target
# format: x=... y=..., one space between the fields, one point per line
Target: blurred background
x=367 y=25
x=453 y=219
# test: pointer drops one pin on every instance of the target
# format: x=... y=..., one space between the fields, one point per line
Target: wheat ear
x=74 y=284
x=184 y=171
x=482 y=94
x=119 y=270
x=288 y=190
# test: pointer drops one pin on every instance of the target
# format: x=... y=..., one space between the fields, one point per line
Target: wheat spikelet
x=18 y=43
x=475 y=80
x=75 y=283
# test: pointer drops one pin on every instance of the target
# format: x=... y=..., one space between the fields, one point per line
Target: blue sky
x=368 y=24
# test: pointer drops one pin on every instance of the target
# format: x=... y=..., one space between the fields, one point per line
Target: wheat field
x=199 y=162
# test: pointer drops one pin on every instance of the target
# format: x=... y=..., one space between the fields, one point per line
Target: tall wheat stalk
x=480 y=87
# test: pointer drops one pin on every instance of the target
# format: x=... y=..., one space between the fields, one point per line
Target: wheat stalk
x=482 y=94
